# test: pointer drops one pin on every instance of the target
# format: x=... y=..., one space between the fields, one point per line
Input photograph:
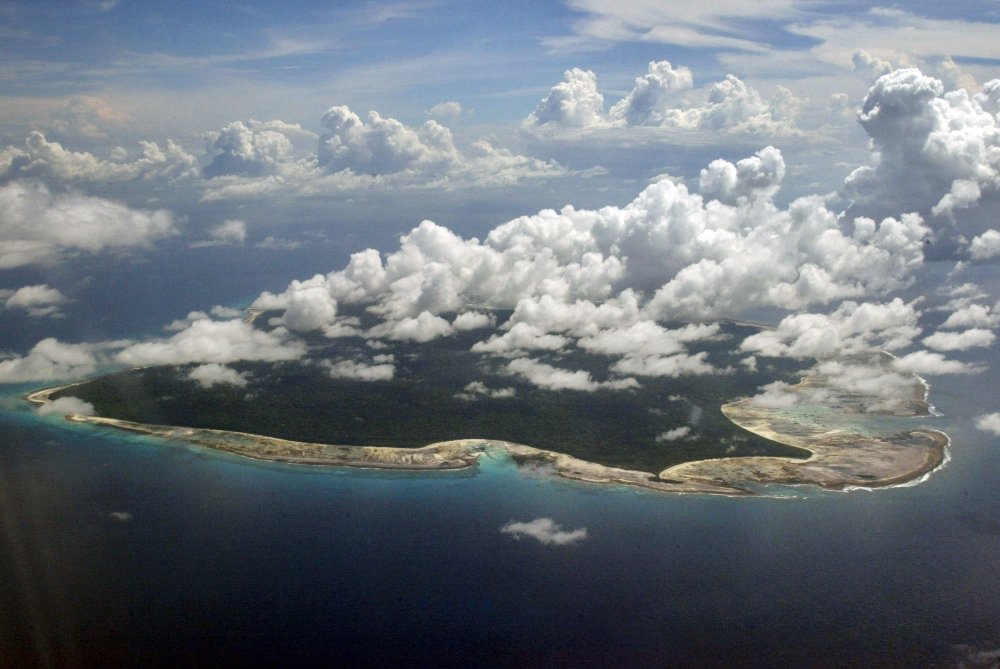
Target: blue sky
x=671 y=161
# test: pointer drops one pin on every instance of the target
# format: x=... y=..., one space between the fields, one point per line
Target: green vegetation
x=300 y=401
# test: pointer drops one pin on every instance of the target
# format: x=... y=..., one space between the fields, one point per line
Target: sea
x=119 y=550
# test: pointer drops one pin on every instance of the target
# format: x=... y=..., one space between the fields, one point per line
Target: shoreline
x=838 y=460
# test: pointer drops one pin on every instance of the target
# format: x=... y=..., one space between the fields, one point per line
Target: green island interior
x=300 y=401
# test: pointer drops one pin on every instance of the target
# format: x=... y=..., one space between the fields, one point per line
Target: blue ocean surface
x=121 y=550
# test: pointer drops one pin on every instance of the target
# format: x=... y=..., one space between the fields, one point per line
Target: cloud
x=383 y=145
x=852 y=328
x=65 y=406
x=205 y=340
x=37 y=226
x=960 y=341
x=261 y=160
x=476 y=389
x=446 y=110
x=473 y=320
x=42 y=158
x=421 y=329
x=973 y=316
x=870 y=67
x=552 y=378
x=699 y=258
x=932 y=150
x=985 y=246
x=277 y=244
x=38 y=301
x=120 y=516
x=225 y=234
x=732 y=106
x=645 y=104
x=383 y=370
x=925 y=362
x=240 y=150
x=213 y=374
x=573 y=103
x=989 y=423
x=545 y=530
x=674 y=434
x=51 y=360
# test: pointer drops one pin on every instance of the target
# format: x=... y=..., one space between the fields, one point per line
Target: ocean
x=123 y=551
x=126 y=551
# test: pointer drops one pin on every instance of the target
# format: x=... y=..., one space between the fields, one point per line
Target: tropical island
x=446 y=406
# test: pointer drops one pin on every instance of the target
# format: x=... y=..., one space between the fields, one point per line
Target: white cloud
x=276 y=243
x=925 y=362
x=476 y=389
x=51 y=360
x=552 y=378
x=672 y=365
x=973 y=316
x=869 y=66
x=42 y=158
x=674 y=434
x=545 y=530
x=383 y=370
x=421 y=329
x=573 y=103
x=213 y=374
x=383 y=145
x=960 y=341
x=732 y=106
x=700 y=258
x=933 y=149
x=521 y=337
x=65 y=406
x=224 y=234
x=985 y=246
x=989 y=423
x=646 y=103
x=473 y=320
x=38 y=301
x=852 y=328
x=240 y=150
x=449 y=109
x=37 y=226
x=205 y=340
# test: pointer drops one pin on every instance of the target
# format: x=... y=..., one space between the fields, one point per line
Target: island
x=690 y=434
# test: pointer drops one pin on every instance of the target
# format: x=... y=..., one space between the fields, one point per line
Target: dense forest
x=424 y=403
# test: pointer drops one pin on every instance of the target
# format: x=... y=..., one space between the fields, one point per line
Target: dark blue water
x=223 y=561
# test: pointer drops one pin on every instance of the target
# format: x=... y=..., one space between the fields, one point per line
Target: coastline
x=839 y=460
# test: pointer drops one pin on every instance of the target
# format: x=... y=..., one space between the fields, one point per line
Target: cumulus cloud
x=383 y=369
x=646 y=103
x=573 y=103
x=51 y=360
x=261 y=160
x=477 y=389
x=553 y=378
x=960 y=341
x=985 y=246
x=925 y=362
x=42 y=158
x=674 y=434
x=473 y=320
x=934 y=150
x=448 y=109
x=225 y=234
x=852 y=328
x=239 y=150
x=38 y=301
x=37 y=226
x=382 y=145
x=65 y=406
x=700 y=258
x=545 y=530
x=732 y=106
x=205 y=340
x=213 y=374
x=989 y=423
x=870 y=67
x=972 y=316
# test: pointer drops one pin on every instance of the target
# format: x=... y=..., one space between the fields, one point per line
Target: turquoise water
x=211 y=560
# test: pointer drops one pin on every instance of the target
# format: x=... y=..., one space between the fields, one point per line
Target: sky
x=606 y=170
